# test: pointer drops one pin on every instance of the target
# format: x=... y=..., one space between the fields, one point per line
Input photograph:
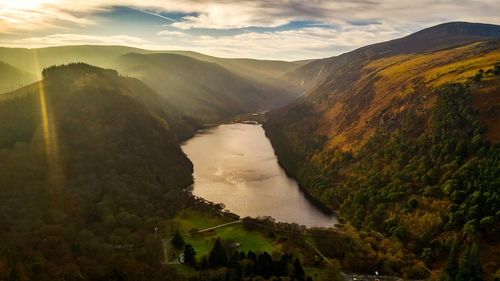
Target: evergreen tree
x=204 y=263
x=217 y=257
x=252 y=256
x=470 y=267
x=298 y=271
x=189 y=255
x=265 y=265
x=177 y=241
x=452 y=263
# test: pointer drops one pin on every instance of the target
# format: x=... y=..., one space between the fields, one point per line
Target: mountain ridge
x=453 y=34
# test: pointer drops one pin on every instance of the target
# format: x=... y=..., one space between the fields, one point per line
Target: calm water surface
x=235 y=165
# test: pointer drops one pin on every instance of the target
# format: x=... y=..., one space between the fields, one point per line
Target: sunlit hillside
x=204 y=91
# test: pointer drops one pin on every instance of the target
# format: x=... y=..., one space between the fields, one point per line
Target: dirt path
x=219 y=226
x=319 y=253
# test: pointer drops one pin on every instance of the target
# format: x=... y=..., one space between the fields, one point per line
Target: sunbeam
x=50 y=141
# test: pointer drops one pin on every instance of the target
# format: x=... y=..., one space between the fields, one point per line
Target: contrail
x=153 y=14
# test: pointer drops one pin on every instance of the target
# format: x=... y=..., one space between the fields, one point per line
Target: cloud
x=250 y=28
x=290 y=44
x=225 y=14
x=42 y=16
x=170 y=33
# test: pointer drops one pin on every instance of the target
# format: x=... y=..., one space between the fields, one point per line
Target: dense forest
x=87 y=174
x=427 y=178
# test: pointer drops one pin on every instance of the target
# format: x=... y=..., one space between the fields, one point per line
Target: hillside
x=34 y=60
x=344 y=69
x=87 y=172
x=259 y=70
x=404 y=139
x=204 y=91
x=12 y=78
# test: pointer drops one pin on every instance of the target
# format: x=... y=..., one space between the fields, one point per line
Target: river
x=235 y=164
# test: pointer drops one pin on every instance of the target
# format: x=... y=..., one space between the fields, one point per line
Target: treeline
x=225 y=262
x=75 y=69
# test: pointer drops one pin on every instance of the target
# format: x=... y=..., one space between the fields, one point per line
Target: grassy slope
x=350 y=111
x=190 y=219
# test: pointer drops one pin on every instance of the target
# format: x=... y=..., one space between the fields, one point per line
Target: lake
x=235 y=164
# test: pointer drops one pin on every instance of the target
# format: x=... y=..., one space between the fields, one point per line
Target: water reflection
x=235 y=165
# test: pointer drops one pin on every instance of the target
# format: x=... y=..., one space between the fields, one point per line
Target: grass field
x=190 y=219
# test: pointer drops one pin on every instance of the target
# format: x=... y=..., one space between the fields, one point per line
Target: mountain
x=87 y=172
x=347 y=66
x=206 y=89
x=203 y=91
x=13 y=78
x=403 y=139
x=35 y=60
x=351 y=90
x=260 y=70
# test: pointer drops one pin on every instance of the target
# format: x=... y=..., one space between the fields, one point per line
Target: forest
x=86 y=207
x=430 y=179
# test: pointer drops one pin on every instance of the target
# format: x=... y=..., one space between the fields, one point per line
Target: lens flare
x=50 y=141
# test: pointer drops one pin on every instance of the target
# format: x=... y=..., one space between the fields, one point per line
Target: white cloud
x=352 y=23
x=172 y=33
x=291 y=44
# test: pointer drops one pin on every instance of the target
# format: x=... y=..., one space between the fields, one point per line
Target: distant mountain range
x=200 y=88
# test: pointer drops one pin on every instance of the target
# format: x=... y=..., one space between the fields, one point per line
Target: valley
x=123 y=163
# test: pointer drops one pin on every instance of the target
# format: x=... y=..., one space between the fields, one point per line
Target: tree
x=189 y=255
x=451 y=267
x=177 y=241
x=217 y=257
x=470 y=267
x=298 y=271
x=204 y=263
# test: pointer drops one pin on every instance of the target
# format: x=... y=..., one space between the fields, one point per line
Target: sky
x=264 y=29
